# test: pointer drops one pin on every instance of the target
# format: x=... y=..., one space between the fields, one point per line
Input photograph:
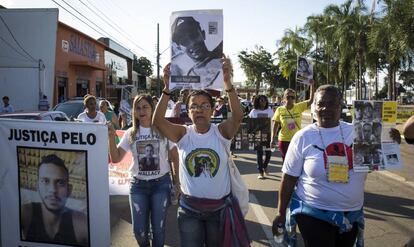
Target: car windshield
x=72 y=109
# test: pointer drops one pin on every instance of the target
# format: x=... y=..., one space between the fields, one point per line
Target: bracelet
x=229 y=90
x=166 y=93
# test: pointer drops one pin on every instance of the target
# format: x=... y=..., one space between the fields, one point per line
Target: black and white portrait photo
x=196 y=49
x=304 y=73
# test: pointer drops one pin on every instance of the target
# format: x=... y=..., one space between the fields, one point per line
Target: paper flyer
x=373 y=148
x=196 y=49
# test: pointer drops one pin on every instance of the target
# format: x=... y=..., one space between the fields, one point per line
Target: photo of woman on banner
x=192 y=62
x=50 y=220
x=304 y=73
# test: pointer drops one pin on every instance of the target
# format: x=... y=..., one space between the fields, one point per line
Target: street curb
x=397 y=178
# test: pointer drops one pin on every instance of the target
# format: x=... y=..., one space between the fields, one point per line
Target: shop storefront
x=80 y=66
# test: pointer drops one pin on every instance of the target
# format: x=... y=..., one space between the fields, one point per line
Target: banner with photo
x=196 y=49
x=373 y=148
x=119 y=178
x=54 y=176
x=304 y=72
x=253 y=133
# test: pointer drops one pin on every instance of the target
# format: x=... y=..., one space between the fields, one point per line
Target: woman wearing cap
x=91 y=115
x=206 y=201
x=220 y=111
x=109 y=115
x=289 y=118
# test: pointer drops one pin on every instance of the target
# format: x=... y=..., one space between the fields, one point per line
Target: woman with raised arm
x=151 y=183
x=206 y=200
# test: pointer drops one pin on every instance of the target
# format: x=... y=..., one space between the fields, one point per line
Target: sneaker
x=261 y=176
x=266 y=172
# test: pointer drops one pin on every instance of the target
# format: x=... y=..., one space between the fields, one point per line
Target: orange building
x=79 y=65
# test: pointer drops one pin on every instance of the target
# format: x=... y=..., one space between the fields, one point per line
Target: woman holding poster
x=151 y=183
x=289 y=118
x=206 y=202
x=325 y=193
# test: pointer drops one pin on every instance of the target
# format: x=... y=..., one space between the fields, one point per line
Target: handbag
x=238 y=186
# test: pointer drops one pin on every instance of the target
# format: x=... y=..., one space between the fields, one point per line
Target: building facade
x=79 y=65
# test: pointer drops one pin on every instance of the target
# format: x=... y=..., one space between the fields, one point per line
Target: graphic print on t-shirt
x=337 y=149
x=148 y=157
x=202 y=162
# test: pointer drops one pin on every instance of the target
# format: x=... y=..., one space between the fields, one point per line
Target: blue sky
x=246 y=23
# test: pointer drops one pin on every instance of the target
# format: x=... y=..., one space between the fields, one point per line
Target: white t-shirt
x=99 y=118
x=204 y=172
x=256 y=113
x=305 y=159
x=149 y=154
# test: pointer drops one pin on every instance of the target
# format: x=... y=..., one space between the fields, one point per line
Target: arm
x=285 y=192
x=115 y=120
x=173 y=132
x=115 y=152
x=274 y=134
x=311 y=89
x=173 y=157
x=229 y=127
x=409 y=128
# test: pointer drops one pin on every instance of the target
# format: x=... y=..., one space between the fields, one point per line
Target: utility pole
x=158 y=60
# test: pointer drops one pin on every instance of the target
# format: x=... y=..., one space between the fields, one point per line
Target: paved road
x=389 y=206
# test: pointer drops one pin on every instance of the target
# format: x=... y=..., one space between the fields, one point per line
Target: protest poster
x=119 y=178
x=51 y=172
x=196 y=49
x=373 y=148
x=252 y=134
x=304 y=72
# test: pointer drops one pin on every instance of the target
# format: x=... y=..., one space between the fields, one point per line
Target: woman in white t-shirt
x=203 y=170
x=91 y=115
x=151 y=183
x=325 y=193
x=261 y=109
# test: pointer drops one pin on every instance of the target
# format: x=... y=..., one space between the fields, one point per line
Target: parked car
x=38 y=115
x=73 y=107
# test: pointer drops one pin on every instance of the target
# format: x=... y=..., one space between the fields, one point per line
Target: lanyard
x=343 y=141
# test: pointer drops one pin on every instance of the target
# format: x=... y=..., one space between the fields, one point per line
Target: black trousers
x=319 y=233
x=262 y=165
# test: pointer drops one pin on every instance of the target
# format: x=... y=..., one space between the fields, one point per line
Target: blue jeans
x=261 y=166
x=150 y=198
x=197 y=229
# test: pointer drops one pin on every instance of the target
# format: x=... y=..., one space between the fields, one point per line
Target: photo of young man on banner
x=55 y=178
x=53 y=201
x=196 y=49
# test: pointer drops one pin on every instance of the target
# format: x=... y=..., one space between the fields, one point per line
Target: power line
x=117 y=28
x=15 y=40
x=107 y=34
x=14 y=48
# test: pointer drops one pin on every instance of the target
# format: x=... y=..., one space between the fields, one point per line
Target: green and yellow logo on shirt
x=202 y=162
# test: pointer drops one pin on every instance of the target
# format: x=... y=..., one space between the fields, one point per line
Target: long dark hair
x=256 y=103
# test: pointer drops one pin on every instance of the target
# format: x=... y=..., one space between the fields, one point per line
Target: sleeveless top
x=37 y=232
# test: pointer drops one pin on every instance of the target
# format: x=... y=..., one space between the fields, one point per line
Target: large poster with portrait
x=373 y=148
x=196 y=49
x=304 y=72
x=54 y=176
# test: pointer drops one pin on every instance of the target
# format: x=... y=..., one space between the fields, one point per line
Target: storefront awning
x=87 y=64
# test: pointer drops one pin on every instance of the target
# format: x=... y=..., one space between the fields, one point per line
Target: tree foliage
x=142 y=66
x=259 y=67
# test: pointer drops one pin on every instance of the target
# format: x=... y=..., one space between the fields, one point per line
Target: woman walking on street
x=150 y=188
x=289 y=118
x=261 y=109
x=109 y=115
x=206 y=202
